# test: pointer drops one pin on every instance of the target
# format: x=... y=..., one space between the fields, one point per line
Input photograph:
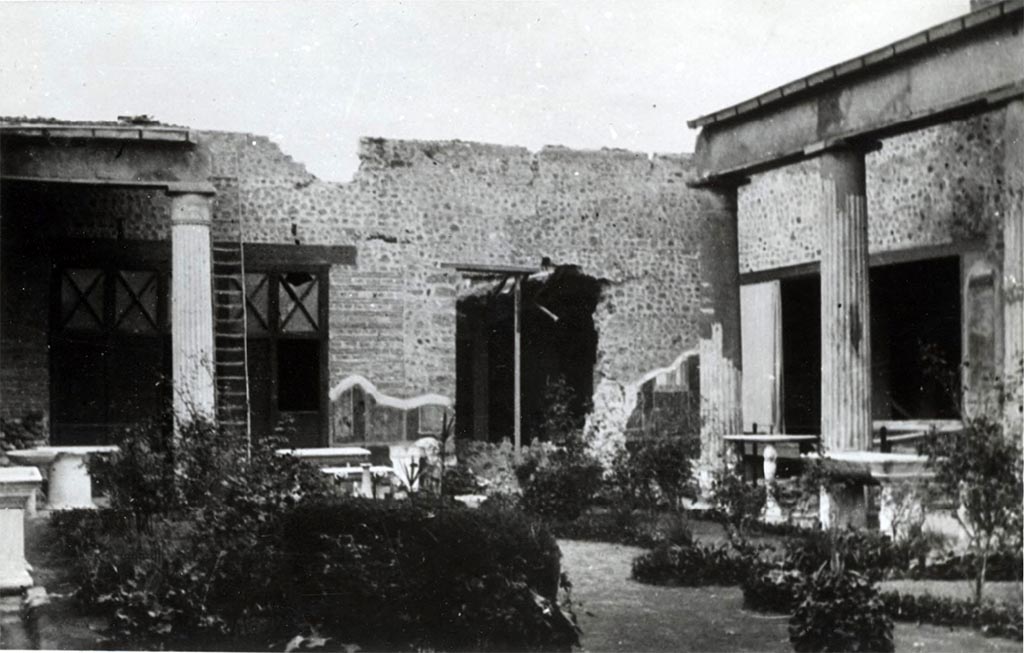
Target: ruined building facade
x=142 y=262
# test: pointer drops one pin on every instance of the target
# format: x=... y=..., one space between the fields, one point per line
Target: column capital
x=857 y=145
x=190 y=208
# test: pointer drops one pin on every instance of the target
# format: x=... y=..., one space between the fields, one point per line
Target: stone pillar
x=845 y=316
x=719 y=346
x=18 y=486
x=1013 y=269
x=191 y=306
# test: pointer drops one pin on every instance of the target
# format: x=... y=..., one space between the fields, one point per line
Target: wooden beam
x=487 y=268
x=517 y=410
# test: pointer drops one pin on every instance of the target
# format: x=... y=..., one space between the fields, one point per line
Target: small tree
x=980 y=469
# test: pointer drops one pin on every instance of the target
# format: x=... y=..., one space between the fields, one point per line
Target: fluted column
x=191 y=306
x=1013 y=270
x=845 y=307
x=719 y=345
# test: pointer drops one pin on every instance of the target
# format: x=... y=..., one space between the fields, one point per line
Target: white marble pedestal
x=18 y=487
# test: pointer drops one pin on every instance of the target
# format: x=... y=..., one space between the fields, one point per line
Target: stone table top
x=17 y=475
x=325 y=452
x=351 y=470
x=39 y=455
x=768 y=438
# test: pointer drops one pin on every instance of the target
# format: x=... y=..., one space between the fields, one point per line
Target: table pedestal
x=18 y=486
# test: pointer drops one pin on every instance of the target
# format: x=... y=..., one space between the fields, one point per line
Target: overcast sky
x=317 y=77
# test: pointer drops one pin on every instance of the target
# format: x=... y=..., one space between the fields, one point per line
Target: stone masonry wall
x=935 y=186
x=412 y=206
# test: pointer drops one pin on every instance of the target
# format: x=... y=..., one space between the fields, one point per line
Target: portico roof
x=962 y=67
x=885 y=55
x=134 y=151
x=127 y=129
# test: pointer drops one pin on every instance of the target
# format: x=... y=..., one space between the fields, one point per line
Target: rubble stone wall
x=625 y=218
x=936 y=186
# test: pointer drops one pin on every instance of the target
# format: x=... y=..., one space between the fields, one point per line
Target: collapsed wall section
x=623 y=218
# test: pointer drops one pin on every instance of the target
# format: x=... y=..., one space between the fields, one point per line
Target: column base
x=14 y=581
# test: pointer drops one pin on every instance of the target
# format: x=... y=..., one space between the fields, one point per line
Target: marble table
x=70 y=484
x=772 y=510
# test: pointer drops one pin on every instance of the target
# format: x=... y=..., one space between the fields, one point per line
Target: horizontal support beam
x=173 y=187
x=127 y=163
x=297 y=256
x=975 y=72
x=875 y=259
x=484 y=268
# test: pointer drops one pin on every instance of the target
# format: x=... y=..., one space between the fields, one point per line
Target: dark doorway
x=801 y=354
x=559 y=351
x=915 y=344
x=916 y=340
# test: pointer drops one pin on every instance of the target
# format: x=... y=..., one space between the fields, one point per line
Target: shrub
x=654 y=471
x=981 y=468
x=998 y=619
x=399 y=575
x=841 y=611
x=693 y=565
x=867 y=552
x=616 y=526
x=562 y=490
x=771 y=589
x=460 y=479
x=1004 y=565
x=267 y=552
x=739 y=503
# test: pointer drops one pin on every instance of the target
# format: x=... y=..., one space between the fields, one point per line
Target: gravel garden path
x=618 y=614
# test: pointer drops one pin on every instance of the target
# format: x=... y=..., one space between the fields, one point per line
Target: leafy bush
x=267 y=551
x=616 y=526
x=738 y=502
x=693 y=565
x=399 y=574
x=981 y=468
x=771 y=589
x=559 y=480
x=651 y=472
x=563 y=489
x=867 y=552
x=1004 y=565
x=841 y=611
x=460 y=479
x=998 y=619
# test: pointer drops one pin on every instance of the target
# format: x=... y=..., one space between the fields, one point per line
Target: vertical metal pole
x=517 y=410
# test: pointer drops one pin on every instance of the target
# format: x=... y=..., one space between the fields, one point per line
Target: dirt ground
x=618 y=614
